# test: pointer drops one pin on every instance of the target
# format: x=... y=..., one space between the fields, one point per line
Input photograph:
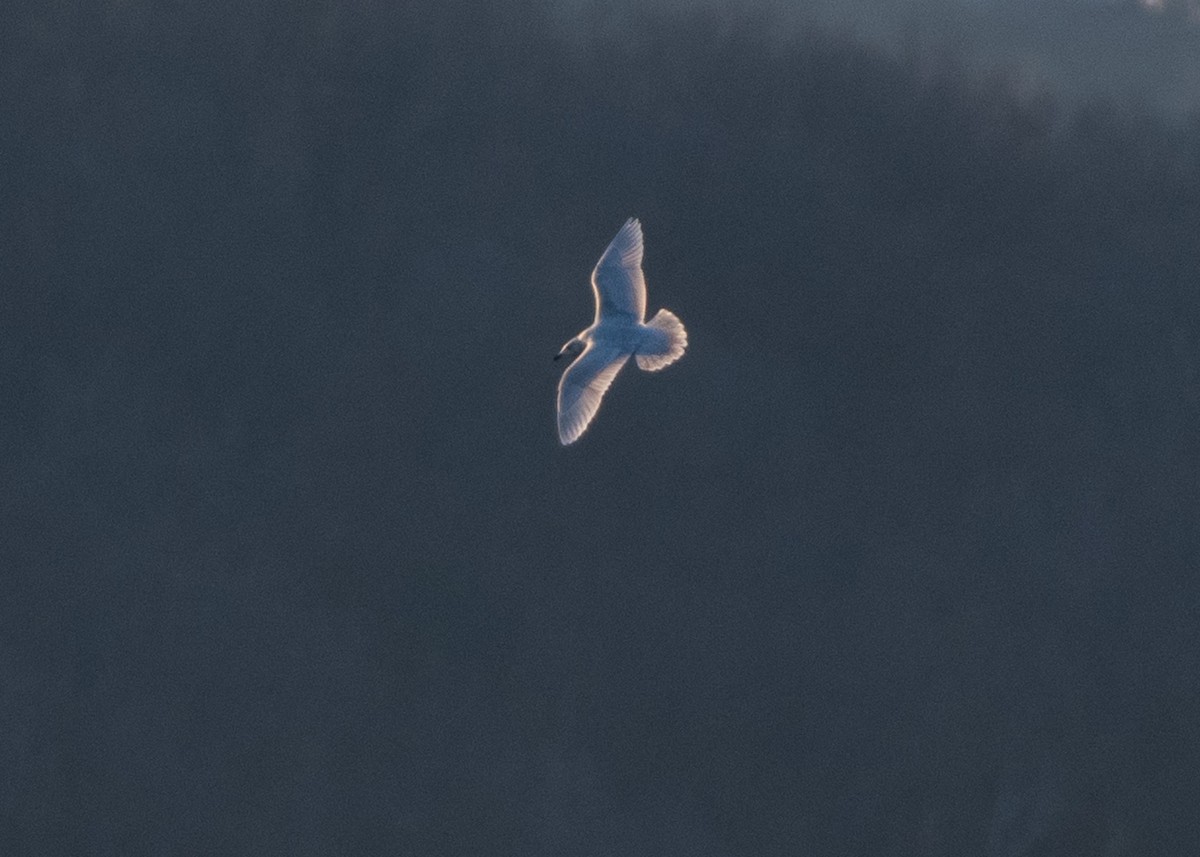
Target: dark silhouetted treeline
x=900 y=559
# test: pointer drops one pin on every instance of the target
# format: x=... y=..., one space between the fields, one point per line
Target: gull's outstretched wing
x=583 y=386
x=617 y=280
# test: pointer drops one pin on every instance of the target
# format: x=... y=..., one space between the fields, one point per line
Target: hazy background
x=900 y=559
x=1139 y=52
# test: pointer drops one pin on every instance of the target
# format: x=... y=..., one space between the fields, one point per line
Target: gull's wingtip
x=630 y=235
x=631 y=224
x=567 y=437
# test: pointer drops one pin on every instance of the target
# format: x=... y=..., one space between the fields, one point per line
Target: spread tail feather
x=664 y=343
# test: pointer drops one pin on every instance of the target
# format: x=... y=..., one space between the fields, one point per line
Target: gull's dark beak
x=558 y=355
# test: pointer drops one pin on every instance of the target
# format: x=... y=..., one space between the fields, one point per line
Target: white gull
x=617 y=334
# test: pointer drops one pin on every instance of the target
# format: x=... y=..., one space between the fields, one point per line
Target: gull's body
x=618 y=332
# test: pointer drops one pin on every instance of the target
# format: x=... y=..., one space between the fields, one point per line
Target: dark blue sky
x=900 y=559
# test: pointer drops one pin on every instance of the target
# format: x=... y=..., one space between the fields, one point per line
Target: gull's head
x=571 y=349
